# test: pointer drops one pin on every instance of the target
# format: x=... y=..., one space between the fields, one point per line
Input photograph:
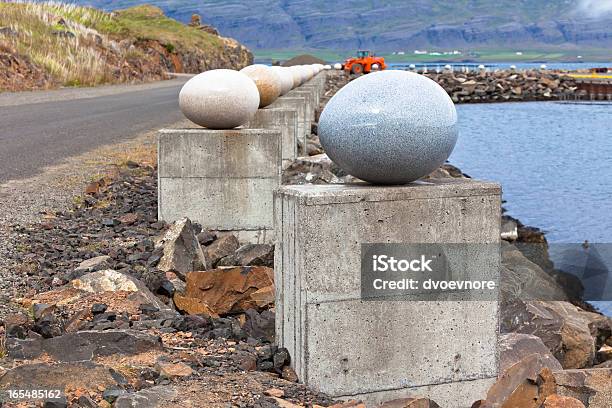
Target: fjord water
x=553 y=160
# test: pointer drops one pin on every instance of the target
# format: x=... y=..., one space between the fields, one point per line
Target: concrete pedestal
x=222 y=179
x=284 y=120
x=378 y=350
x=300 y=104
x=309 y=96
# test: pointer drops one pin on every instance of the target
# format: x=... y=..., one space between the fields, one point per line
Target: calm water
x=570 y=66
x=554 y=162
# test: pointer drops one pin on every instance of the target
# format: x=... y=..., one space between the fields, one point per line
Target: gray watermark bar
x=486 y=272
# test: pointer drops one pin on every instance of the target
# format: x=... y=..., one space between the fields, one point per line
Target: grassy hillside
x=85 y=46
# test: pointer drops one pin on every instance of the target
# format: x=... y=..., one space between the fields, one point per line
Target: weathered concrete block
x=286 y=121
x=376 y=349
x=309 y=97
x=222 y=179
x=299 y=104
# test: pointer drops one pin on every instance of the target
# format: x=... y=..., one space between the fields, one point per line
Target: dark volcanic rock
x=84 y=345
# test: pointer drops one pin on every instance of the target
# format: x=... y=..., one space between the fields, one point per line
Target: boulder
x=113 y=281
x=592 y=387
x=564 y=329
x=523 y=279
x=228 y=290
x=259 y=325
x=92 y=265
x=193 y=306
x=250 y=255
x=525 y=384
x=513 y=347
x=558 y=401
x=173 y=370
x=182 y=250
x=75 y=375
x=224 y=245
x=83 y=345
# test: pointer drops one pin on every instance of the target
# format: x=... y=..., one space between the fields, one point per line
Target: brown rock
x=225 y=245
x=526 y=384
x=264 y=297
x=514 y=347
x=245 y=360
x=275 y=392
x=173 y=370
x=564 y=329
x=557 y=401
x=593 y=387
x=81 y=375
x=417 y=402
x=289 y=374
x=228 y=290
x=250 y=255
x=182 y=251
x=193 y=306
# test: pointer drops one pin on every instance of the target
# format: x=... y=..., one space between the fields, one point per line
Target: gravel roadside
x=24 y=202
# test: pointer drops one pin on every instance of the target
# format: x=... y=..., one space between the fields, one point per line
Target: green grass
x=149 y=23
x=81 y=59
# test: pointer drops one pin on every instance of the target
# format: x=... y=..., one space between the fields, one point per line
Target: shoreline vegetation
x=48 y=45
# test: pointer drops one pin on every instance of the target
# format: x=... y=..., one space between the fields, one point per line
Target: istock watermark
x=429 y=272
x=527 y=271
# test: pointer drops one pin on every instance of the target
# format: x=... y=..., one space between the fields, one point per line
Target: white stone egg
x=296 y=71
x=286 y=78
x=219 y=99
x=268 y=82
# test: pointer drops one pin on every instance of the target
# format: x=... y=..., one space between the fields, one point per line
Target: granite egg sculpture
x=219 y=99
x=337 y=66
x=389 y=127
x=268 y=82
x=286 y=78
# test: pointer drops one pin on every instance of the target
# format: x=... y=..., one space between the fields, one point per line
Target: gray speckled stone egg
x=389 y=127
x=219 y=99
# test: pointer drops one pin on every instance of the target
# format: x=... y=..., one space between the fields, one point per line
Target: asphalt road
x=41 y=129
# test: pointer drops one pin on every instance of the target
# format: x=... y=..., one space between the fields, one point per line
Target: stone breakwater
x=507 y=86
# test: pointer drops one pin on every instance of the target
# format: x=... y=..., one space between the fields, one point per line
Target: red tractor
x=364 y=63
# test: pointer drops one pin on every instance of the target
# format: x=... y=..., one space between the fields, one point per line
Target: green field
x=332 y=56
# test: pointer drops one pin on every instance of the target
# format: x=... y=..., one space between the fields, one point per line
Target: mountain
x=388 y=25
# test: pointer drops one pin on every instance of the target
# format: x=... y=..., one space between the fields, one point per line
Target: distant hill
x=46 y=45
x=389 y=25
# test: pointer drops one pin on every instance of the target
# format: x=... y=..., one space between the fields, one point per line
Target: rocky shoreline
x=119 y=307
x=506 y=86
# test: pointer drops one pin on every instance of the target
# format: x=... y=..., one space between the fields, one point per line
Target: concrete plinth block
x=286 y=121
x=299 y=103
x=222 y=179
x=378 y=350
